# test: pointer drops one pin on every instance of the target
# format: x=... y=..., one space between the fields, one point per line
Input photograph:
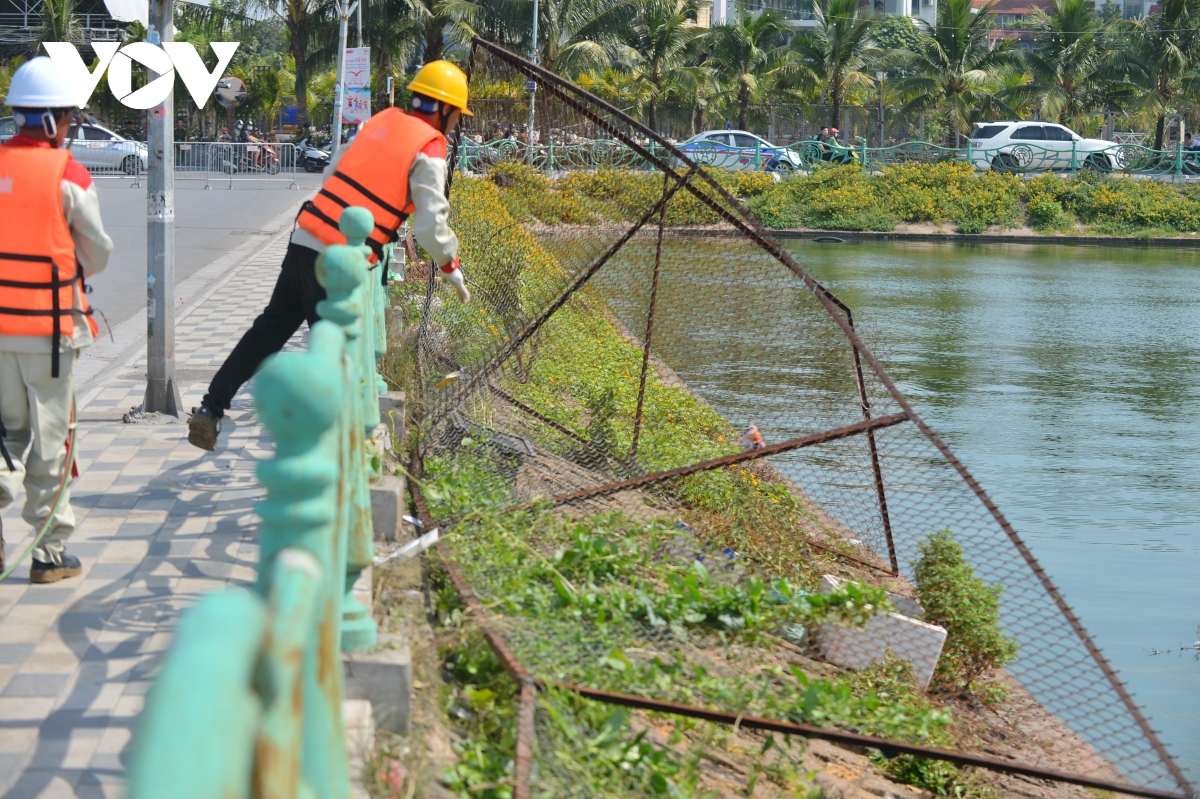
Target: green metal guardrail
x=1021 y=158
x=249 y=699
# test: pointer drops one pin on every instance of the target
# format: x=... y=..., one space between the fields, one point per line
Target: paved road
x=207 y=225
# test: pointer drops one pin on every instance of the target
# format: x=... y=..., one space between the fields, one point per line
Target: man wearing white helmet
x=51 y=241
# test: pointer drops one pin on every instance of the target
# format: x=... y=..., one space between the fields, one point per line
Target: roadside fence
x=211 y=162
x=249 y=697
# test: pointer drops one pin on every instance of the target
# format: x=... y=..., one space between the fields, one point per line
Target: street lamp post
x=162 y=393
x=880 y=76
x=532 y=86
x=344 y=10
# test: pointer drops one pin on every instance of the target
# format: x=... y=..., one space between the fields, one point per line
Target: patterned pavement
x=160 y=523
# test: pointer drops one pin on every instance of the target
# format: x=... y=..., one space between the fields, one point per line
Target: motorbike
x=313 y=158
x=259 y=157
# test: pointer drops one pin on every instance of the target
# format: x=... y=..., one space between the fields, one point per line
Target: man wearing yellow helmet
x=396 y=168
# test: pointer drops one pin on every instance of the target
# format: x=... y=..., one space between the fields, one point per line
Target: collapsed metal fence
x=608 y=368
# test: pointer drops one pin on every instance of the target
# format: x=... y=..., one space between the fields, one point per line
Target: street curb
x=97 y=365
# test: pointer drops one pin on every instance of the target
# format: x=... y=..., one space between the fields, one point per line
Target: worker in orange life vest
x=396 y=168
x=51 y=239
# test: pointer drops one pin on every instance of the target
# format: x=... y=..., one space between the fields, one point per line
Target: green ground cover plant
x=849 y=198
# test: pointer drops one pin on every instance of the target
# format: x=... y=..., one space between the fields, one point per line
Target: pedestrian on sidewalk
x=51 y=239
x=396 y=168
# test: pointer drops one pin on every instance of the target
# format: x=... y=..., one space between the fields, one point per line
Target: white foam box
x=906 y=638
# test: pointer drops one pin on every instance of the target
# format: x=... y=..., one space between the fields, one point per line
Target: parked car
x=1019 y=146
x=736 y=150
x=97 y=148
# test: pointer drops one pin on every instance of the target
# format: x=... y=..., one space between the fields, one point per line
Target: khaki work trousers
x=36 y=411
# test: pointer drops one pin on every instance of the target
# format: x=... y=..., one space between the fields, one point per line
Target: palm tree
x=1161 y=60
x=954 y=69
x=1069 y=64
x=742 y=55
x=302 y=20
x=58 y=21
x=835 y=54
x=657 y=41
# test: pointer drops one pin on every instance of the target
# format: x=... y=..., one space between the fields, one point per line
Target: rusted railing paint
x=249 y=700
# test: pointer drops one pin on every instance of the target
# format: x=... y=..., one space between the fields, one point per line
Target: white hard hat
x=38 y=84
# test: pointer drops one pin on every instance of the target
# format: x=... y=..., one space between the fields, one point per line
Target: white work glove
x=452 y=273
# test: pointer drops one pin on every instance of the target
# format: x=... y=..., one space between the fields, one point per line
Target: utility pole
x=358 y=13
x=162 y=394
x=343 y=9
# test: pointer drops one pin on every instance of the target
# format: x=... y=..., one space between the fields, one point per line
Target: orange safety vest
x=371 y=174
x=38 y=271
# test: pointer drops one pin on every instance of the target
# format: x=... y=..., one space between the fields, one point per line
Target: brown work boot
x=40 y=572
x=203 y=427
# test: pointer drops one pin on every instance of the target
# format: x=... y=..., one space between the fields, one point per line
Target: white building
x=799 y=12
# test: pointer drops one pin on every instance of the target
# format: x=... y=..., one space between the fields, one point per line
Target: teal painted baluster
x=300 y=398
x=195 y=737
x=342 y=270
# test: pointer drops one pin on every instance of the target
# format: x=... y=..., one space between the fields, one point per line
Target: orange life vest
x=371 y=174
x=39 y=275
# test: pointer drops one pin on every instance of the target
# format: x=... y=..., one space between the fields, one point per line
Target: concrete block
x=905 y=637
x=383 y=676
x=387 y=507
x=904 y=606
x=391 y=413
x=363 y=592
x=381 y=439
x=360 y=736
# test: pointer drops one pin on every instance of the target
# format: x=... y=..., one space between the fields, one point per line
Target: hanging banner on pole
x=356 y=86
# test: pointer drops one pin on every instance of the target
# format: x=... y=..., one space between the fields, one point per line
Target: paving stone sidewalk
x=160 y=523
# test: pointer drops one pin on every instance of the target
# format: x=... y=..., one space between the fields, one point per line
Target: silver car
x=101 y=150
x=97 y=148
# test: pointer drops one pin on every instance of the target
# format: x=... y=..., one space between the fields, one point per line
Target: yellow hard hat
x=441 y=80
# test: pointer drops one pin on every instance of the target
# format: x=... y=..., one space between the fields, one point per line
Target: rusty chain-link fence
x=649 y=438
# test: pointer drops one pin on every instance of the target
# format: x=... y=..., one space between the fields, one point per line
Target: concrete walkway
x=160 y=523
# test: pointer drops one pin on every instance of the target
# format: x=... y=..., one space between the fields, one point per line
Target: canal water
x=1068 y=380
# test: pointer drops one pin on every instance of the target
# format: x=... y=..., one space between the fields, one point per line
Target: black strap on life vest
x=375 y=246
x=4 y=450
x=57 y=312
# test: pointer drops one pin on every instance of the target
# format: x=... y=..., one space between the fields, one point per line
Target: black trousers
x=293 y=301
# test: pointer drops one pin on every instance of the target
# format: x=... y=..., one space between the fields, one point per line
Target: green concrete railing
x=249 y=698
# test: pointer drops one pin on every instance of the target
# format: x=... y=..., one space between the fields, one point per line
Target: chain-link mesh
x=665 y=489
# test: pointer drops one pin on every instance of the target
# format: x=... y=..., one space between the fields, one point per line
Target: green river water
x=1068 y=380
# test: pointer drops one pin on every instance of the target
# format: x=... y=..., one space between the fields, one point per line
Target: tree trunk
x=300 y=56
x=652 y=119
x=835 y=102
x=743 y=107
x=1160 y=132
x=434 y=39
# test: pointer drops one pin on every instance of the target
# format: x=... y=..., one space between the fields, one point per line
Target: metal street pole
x=533 y=86
x=338 y=93
x=358 y=13
x=162 y=394
x=881 y=76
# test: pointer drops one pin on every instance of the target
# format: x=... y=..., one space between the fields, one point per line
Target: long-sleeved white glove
x=452 y=272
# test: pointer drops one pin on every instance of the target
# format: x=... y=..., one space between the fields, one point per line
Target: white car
x=738 y=150
x=1038 y=146
x=99 y=149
